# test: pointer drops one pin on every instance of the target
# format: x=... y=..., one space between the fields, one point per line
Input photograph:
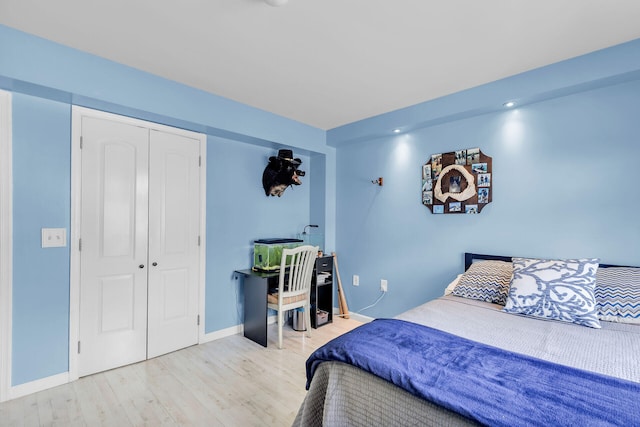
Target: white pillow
x=452 y=285
x=555 y=289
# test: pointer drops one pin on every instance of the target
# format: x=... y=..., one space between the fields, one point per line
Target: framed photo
x=471 y=209
x=427 y=197
x=454 y=184
x=457 y=182
x=483 y=195
x=435 y=171
x=484 y=180
x=473 y=155
x=426 y=171
x=479 y=168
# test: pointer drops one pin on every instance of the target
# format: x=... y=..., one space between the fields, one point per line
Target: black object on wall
x=281 y=172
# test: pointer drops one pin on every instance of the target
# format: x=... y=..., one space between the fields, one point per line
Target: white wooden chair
x=294 y=285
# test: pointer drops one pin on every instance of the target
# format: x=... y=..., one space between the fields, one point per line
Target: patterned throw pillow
x=618 y=294
x=554 y=289
x=485 y=281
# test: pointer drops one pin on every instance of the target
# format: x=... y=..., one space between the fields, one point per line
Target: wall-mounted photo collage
x=457 y=182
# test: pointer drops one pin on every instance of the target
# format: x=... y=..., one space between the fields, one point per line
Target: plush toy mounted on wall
x=280 y=173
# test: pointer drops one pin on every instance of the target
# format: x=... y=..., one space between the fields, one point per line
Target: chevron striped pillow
x=485 y=281
x=618 y=294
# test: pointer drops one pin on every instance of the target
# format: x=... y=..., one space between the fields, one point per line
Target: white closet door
x=113 y=270
x=174 y=215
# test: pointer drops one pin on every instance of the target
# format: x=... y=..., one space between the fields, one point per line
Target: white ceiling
x=330 y=62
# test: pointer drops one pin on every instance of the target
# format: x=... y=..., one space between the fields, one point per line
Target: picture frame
x=457 y=182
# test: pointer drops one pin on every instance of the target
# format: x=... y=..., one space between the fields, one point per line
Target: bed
x=462 y=360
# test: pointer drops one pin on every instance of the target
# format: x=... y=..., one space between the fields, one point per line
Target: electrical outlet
x=356 y=280
x=383 y=285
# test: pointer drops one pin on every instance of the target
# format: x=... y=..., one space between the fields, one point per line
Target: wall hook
x=377 y=181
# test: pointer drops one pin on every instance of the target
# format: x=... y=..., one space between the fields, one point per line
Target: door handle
x=141 y=266
x=154 y=264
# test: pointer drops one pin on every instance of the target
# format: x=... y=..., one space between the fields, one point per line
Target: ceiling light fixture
x=275 y=2
x=509 y=104
x=396 y=131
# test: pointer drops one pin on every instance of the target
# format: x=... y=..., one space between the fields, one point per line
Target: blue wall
x=563 y=165
x=41 y=180
x=238 y=212
x=46 y=79
x=563 y=186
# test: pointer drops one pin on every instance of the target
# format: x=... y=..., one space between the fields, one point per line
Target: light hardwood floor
x=229 y=382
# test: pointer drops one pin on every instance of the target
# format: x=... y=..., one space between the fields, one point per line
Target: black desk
x=256 y=287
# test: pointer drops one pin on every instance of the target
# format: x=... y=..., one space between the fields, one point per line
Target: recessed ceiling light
x=509 y=104
x=396 y=131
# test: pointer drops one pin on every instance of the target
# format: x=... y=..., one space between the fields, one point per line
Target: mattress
x=346 y=396
x=612 y=350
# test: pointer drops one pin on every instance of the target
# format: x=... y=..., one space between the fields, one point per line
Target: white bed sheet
x=613 y=350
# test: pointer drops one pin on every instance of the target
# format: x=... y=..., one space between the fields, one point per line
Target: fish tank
x=267 y=253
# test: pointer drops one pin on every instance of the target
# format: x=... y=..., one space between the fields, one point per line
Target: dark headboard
x=469 y=257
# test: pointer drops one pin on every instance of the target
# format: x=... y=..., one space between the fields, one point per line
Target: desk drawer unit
x=322 y=292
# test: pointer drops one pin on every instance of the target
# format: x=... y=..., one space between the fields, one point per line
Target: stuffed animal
x=281 y=172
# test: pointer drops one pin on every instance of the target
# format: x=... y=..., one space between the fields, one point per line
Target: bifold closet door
x=113 y=273
x=139 y=260
x=174 y=223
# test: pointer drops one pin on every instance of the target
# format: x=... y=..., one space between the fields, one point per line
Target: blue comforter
x=486 y=384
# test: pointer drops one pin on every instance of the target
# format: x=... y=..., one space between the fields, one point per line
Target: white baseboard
x=38 y=385
x=222 y=333
x=361 y=317
x=355 y=316
x=233 y=330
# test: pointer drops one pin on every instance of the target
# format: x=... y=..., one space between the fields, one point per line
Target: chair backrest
x=296 y=268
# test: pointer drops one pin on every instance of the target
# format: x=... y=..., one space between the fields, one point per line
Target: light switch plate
x=54 y=237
